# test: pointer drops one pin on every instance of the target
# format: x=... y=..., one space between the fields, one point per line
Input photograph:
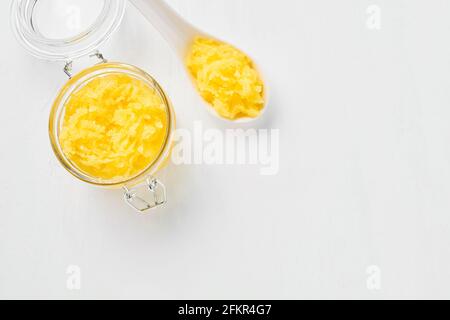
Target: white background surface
x=364 y=177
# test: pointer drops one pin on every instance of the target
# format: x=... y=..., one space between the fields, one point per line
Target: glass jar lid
x=63 y=30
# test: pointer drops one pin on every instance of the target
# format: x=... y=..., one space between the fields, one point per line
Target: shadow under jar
x=142 y=190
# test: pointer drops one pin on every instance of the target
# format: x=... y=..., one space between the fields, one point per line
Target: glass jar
x=142 y=191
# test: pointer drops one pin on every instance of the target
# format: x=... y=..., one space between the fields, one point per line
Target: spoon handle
x=176 y=31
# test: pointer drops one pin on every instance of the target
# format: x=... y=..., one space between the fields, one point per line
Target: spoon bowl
x=180 y=35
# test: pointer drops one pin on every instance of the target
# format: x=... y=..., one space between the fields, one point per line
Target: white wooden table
x=360 y=207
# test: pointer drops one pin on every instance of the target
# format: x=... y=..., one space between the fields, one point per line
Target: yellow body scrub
x=226 y=79
x=114 y=127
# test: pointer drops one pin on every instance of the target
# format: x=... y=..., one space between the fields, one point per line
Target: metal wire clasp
x=146 y=196
x=100 y=56
x=68 y=67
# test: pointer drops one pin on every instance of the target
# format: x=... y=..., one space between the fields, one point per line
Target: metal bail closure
x=146 y=196
x=68 y=67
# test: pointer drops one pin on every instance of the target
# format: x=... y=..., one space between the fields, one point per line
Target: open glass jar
x=89 y=24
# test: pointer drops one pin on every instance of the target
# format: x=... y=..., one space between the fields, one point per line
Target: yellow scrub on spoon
x=225 y=77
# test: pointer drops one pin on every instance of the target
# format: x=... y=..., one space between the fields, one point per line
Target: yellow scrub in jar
x=114 y=127
x=226 y=78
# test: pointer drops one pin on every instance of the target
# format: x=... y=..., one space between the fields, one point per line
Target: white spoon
x=180 y=35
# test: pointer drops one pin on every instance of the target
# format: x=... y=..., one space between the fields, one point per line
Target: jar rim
x=82 y=44
x=82 y=78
